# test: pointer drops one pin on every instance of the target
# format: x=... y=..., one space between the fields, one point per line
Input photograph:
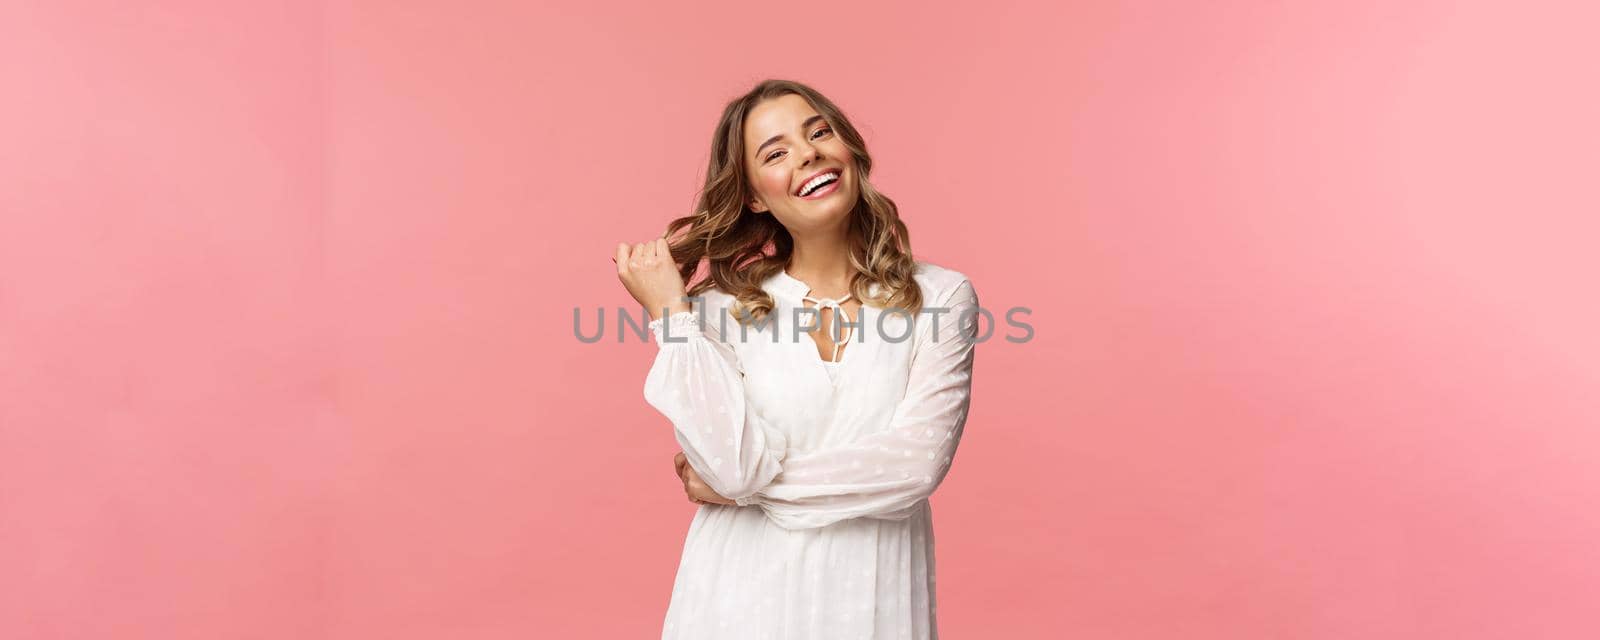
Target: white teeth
x=814 y=182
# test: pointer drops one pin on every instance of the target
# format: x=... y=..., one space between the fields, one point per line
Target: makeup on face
x=800 y=153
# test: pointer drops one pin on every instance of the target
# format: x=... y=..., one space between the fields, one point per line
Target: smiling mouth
x=819 y=184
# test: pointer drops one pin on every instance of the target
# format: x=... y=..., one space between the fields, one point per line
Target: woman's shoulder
x=713 y=297
x=714 y=301
x=938 y=281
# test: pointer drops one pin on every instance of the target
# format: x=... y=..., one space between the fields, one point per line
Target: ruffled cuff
x=677 y=328
x=750 y=500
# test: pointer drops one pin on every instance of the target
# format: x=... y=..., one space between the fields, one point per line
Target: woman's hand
x=693 y=486
x=651 y=277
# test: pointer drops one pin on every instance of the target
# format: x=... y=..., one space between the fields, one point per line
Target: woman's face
x=787 y=145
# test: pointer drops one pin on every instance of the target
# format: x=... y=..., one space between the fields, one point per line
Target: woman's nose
x=808 y=153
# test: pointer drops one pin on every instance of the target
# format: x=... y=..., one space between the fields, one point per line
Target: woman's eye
x=775 y=154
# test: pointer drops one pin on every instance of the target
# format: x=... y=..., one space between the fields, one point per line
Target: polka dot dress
x=831 y=464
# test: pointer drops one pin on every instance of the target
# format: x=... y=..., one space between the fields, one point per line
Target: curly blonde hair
x=743 y=249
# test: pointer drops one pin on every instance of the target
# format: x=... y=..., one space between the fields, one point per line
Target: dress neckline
x=796 y=288
x=796 y=292
x=789 y=284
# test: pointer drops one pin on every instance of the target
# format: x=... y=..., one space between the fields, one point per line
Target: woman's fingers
x=681 y=463
x=651 y=277
x=693 y=485
x=631 y=256
x=699 y=490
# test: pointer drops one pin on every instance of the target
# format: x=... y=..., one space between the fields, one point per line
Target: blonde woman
x=816 y=376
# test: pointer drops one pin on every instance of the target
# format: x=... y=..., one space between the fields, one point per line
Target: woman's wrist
x=676 y=327
x=667 y=310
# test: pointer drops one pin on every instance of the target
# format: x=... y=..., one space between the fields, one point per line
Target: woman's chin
x=836 y=203
x=821 y=217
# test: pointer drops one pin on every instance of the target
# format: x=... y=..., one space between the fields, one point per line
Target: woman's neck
x=822 y=261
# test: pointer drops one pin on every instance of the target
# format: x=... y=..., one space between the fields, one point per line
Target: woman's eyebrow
x=778 y=137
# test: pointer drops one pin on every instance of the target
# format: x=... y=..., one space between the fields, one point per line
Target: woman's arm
x=697 y=382
x=886 y=474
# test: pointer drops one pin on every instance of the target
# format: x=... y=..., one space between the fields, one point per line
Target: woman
x=812 y=457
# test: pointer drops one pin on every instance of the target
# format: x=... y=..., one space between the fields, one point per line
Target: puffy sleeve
x=887 y=474
x=696 y=381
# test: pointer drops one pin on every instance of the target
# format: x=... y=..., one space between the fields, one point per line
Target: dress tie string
x=838 y=309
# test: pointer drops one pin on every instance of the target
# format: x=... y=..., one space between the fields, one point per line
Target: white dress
x=831 y=465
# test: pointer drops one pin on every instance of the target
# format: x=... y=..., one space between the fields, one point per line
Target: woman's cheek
x=774 y=185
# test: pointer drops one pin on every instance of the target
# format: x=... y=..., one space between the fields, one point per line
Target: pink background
x=286 y=298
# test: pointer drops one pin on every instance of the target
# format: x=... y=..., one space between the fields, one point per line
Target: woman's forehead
x=776 y=116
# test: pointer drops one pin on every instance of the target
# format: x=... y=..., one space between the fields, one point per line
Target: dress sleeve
x=887 y=474
x=697 y=382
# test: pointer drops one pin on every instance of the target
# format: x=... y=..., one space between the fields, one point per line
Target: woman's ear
x=757 y=206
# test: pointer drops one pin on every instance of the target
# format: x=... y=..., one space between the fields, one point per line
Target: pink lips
x=823 y=190
x=839 y=176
